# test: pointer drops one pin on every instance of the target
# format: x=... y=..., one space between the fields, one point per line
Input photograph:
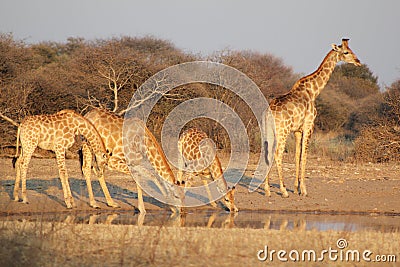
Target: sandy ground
x=342 y=193
x=333 y=187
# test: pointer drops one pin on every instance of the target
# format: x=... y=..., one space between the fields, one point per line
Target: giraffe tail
x=14 y=160
x=269 y=134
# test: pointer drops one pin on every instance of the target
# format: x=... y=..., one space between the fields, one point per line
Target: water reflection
x=218 y=219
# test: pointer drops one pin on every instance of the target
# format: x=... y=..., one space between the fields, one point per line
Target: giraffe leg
x=298 y=137
x=140 y=199
x=17 y=178
x=211 y=220
x=267 y=187
x=186 y=178
x=86 y=170
x=179 y=175
x=304 y=150
x=212 y=203
x=23 y=169
x=110 y=201
x=278 y=159
x=60 y=156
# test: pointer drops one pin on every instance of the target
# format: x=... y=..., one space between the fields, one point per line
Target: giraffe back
x=49 y=131
x=198 y=150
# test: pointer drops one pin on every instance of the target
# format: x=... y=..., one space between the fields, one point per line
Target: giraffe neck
x=314 y=83
x=92 y=136
x=157 y=157
x=218 y=175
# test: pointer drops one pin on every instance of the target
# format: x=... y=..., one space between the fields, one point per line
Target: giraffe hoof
x=95 y=206
x=285 y=194
x=113 y=205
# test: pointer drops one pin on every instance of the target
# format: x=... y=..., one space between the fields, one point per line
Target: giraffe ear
x=335 y=47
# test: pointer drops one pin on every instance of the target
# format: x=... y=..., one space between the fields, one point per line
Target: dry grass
x=332 y=145
x=62 y=244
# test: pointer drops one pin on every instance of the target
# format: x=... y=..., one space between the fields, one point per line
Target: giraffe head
x=345 y=53
x=229 y=200
x=101 y=159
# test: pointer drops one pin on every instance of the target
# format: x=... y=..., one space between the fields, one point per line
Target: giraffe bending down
x=55 y=132
x=295 y=112
x=109 y=126
x=199 y=157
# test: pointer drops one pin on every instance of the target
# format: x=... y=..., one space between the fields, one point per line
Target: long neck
x=92 y=136
x=218 y=175
x=314 y=83
x=157 y=157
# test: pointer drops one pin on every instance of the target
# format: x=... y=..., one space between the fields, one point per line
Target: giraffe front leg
x=70 y=198
x=102 y=181
x=110 y=201
x=278 y=160
x=86 y=170
x=298 y=139
x=60 y=156
x=179 y=176
x=304 y=151
x=267 y=186
x=140 y=200
x=212 y=203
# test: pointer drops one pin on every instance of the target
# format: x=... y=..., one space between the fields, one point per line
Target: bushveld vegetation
x=356 y=120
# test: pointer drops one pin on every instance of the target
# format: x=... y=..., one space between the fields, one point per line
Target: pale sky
x=299 y=32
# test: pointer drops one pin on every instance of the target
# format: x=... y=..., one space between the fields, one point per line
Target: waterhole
x=277 y=220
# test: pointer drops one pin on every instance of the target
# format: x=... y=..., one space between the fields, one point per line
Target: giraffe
x=198 y=154
x=109 y=127
x=55 y=132
x=295 y=112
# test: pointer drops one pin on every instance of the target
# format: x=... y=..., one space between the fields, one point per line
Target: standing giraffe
x=55 y=132
x=199 y=157
x=109 y=126
x=295 y=112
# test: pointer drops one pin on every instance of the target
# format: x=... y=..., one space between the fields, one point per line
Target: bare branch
x=9 y=119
